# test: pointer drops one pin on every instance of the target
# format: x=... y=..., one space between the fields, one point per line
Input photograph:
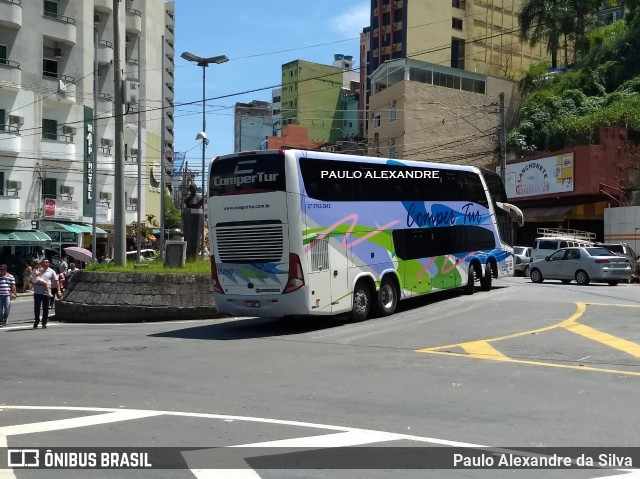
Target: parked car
x=623 y=249
x=582 y=264
x=521 y=259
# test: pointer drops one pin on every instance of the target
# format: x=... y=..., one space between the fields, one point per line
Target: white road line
x=58 y=425
x=346 y=436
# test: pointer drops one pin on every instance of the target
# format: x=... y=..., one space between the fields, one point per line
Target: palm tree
x=544 y=20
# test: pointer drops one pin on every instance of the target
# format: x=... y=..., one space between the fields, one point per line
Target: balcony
x=131 y=71
x=105 y=159
x=10 y=205
x=11 y=13
x=168 y=135
x=134 y=21
x=10 y=140
x=103 y=5
x=131 y=167
x=169 y=49
x=56 y=146
x=105 y=52
x=105 y=97
x=59 y=28
x=10 y=74
x=64 y=84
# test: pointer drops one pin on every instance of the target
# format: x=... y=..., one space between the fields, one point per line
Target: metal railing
x=10 y=128
x=15 y=2
x=133 y=11
x=58 y=17
x=105 y=43
x=9 y=63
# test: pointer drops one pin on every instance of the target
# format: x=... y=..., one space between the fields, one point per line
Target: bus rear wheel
x=361 y=302
x=470 y=287
x=485 y=281
x=387 y=297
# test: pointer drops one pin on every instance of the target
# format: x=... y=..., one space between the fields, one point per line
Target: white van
x=552 y=239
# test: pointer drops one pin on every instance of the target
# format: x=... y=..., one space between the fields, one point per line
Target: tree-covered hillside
x=602 y=88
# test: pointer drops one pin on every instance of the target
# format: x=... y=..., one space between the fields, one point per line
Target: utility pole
x=139 y=160
x=162 y=155
x=119 y=225
x=94 y=151
x=503 y=142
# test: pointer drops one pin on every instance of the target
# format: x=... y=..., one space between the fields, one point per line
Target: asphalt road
x=524 y=365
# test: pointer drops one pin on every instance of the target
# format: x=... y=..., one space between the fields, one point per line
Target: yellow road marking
x=605 y=338
x=482 y=349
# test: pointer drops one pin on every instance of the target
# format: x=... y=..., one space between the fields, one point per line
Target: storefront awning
x=24 y=238
x=80 y=228
x=546 y=214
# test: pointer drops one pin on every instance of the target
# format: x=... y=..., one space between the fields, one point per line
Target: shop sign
x=60 y=209
x=89 y=138
x=544 y=176
x=103 y=213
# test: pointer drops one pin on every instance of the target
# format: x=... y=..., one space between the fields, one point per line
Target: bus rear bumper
x=267 y=305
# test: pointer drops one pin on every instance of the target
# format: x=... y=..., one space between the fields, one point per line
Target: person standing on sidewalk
x=7 y=293
x=41 y=294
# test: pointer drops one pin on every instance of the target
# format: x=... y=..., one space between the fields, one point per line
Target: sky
x=258 y=37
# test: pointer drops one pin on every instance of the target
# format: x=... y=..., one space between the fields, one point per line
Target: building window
x=393 y=112
x=277 y=99
x=457 y=53
x=392 y=148
x=50 y=8
x=49 y=188
x=50 y=68
x=458 y=4
x=376 y=121
x=1 y=183
x=456 y=23
x=49 y=129
x=3 y=122
x=3 y=54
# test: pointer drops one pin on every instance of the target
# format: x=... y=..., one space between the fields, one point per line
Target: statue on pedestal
x=193 y=222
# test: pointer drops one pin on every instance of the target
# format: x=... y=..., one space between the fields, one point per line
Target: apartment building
x=480 y=36
x=252 y=124
x=47 y=109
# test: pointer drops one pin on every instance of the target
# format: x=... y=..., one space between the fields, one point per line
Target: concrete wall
x=98 y=297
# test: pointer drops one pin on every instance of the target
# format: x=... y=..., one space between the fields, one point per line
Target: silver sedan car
x=584 y=265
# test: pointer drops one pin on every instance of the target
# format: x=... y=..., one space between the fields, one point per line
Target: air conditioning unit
x=134 y=152
x=68 y=130
x=14 y=185
x=106 y=142
x=16 y=120
x=66 y=190
x=57 y=52
x=96 y=19
x=133 y=201
x=131 y=91
x=105 y=195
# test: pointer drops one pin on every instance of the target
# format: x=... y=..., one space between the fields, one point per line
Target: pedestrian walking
x=7 y=293
x=40 y=294
x=26 y=279
x=62 y=266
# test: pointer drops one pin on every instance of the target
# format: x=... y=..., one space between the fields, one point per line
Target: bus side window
x=336 y=192
x=312 y=190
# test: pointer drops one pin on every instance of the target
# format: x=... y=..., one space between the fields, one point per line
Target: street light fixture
x=204 y=63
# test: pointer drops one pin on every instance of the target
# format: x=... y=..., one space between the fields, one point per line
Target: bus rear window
x=246 y=174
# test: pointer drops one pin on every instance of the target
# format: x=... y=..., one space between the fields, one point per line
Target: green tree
x=544 y=20
x=172 y=217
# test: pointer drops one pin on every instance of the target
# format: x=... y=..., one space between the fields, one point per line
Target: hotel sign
x=89 y=139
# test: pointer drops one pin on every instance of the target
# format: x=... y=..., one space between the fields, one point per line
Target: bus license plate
x=252 y=304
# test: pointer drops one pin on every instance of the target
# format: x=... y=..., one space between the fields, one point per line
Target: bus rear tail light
x=217 y=287
x=296 y=276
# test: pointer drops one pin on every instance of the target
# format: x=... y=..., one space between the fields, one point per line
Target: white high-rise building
x=47 y=52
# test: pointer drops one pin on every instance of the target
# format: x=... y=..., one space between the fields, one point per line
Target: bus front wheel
x=387 y=297
x=361 y=302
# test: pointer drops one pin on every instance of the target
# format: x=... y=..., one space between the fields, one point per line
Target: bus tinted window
x=350 y=181
x=494 y=184
x=428 y=242
x=246 y=174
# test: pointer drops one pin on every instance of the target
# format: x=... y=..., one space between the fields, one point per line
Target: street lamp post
x=204 y=63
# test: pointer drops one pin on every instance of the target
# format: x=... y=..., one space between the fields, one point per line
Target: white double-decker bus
x=311 y=233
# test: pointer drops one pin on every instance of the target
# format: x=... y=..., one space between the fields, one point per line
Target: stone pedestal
x=192 y=225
